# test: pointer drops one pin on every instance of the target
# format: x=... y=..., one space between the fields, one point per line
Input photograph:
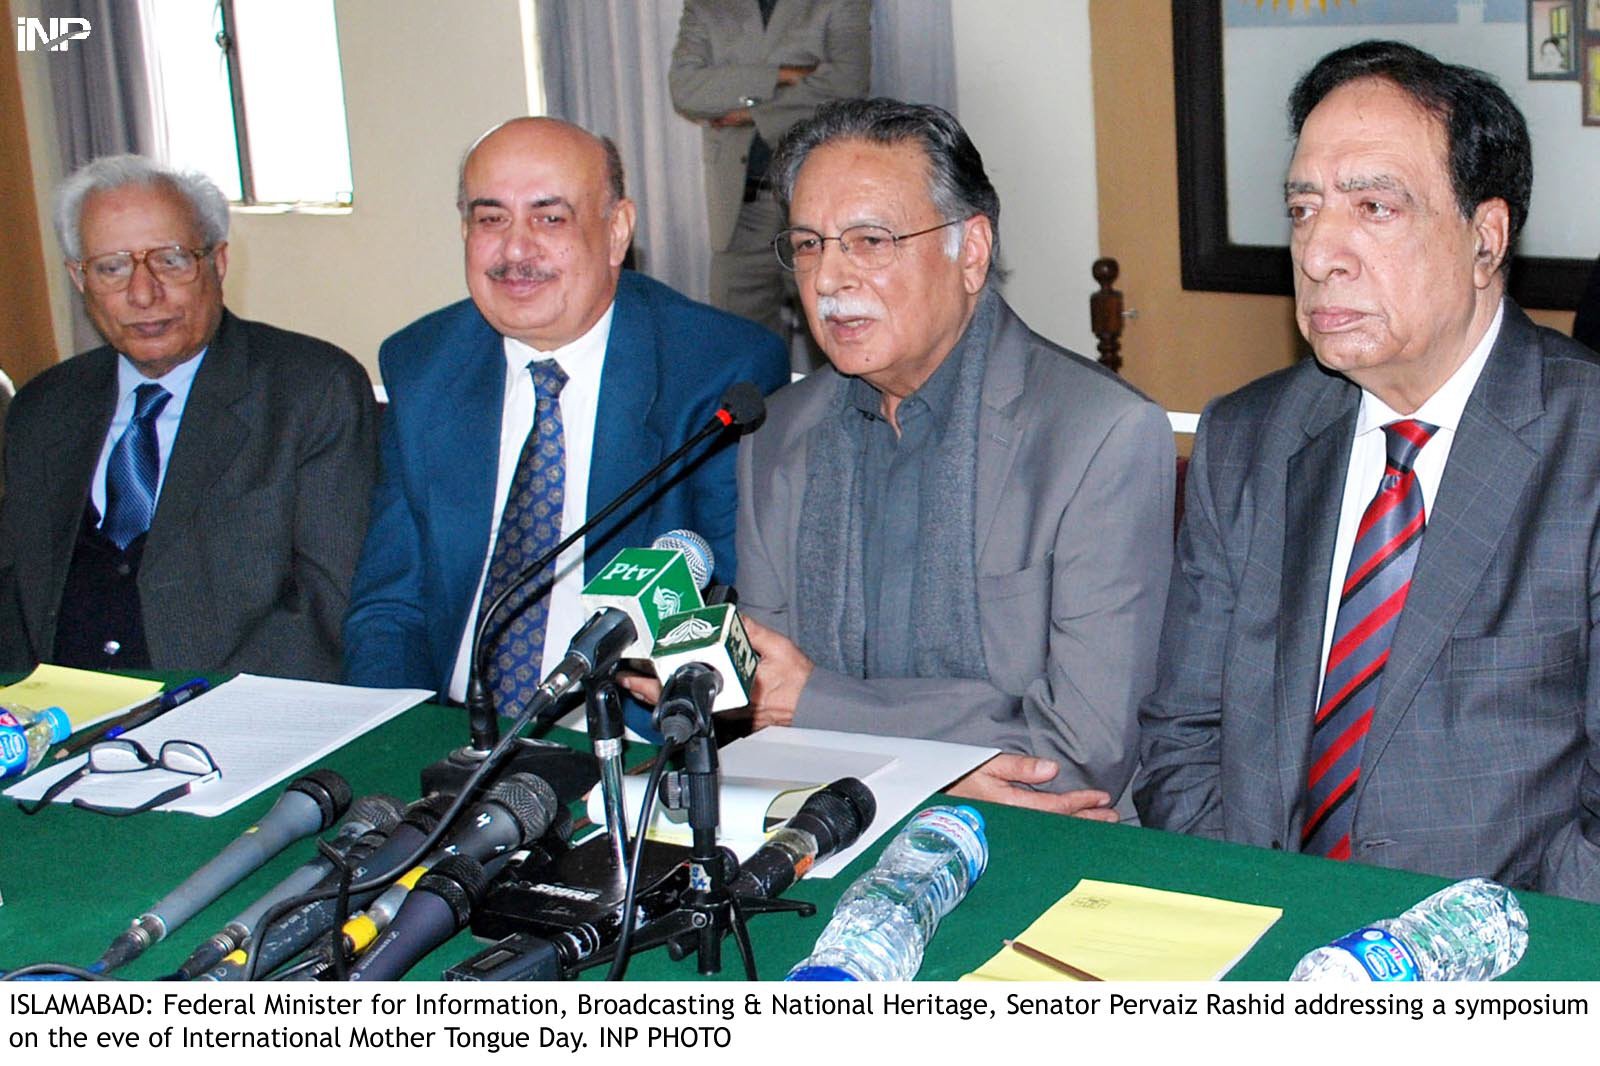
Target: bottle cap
x=60 y=724
x=819 y=973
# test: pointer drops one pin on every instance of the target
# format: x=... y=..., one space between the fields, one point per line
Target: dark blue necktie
x=1374 y=592
x=134 y=470
x=529 y=527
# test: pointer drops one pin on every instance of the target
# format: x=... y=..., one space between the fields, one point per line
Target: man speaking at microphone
x=515 y=414
x=959 y=531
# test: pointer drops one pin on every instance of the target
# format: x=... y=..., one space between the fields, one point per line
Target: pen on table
x=1050 y=960
x=147 y=711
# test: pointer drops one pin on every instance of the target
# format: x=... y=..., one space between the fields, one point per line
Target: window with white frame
x=250 y=93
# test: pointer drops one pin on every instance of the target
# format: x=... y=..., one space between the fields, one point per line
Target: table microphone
x=830 y=820
x=435 y=910
x=309 y=805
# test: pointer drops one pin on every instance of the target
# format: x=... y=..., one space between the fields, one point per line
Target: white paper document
x=767 y=774
x=259 y=730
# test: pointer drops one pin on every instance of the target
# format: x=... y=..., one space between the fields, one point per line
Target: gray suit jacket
x=1482 y=758
x=724 y=57
x=248 y=560
x=1074 y=510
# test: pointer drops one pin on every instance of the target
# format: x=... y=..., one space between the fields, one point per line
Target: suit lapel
x=1314 y=490
x=70 y=459
x=460 y=457
x=626 y=440
x=1483 y=481
x=999 y=429
x=210 y=437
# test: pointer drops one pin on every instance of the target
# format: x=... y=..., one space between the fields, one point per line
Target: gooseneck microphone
x=433 y=912
x=309 y=805
x=741 y=409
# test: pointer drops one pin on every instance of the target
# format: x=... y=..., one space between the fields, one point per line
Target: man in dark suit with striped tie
x=191 y=495
x=1380 y=642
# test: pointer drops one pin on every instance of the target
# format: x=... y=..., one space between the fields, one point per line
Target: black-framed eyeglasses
x=113 y=271
x=866 y=247
x=127 y=756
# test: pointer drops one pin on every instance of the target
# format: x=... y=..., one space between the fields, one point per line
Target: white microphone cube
x=715 y=636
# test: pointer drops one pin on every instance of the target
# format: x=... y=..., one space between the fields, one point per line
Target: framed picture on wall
x=1591 y=82
x=1553 y=40
x=1234 y=64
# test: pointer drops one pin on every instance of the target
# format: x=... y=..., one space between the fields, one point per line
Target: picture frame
x=1209 y=260
x=1591 y=80
x=1554 y=36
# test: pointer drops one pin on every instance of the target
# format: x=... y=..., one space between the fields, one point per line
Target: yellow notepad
x=85 y=695
x=1128 y=933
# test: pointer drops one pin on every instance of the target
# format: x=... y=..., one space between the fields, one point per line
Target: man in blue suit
x=512 y=414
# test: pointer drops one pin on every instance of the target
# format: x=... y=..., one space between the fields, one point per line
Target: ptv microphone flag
x=714 y=636
x=649 y=584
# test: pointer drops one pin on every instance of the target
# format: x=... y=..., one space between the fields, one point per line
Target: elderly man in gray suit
x=1381 y=641
x=747 y=71
x=958 y=531
x=192 y=495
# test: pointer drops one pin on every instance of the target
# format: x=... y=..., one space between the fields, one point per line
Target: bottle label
x=968 y=839
x=9 y=719
x=1381 y=955
x=13 y=751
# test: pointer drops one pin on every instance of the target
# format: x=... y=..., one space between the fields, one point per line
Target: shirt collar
x=176 y=381
x=588 y=351
x=1444 y=407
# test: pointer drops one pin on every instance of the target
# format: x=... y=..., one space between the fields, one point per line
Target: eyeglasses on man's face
x=866 y=247
x=170 y=264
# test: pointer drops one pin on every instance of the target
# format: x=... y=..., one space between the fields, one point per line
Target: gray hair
x=957 y=182
x=205 y=200
x=615 y=183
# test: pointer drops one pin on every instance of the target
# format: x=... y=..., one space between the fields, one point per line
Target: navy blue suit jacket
x=667 y=363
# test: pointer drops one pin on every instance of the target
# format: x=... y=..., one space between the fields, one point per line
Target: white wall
x=1024 y=93
x=422 y=80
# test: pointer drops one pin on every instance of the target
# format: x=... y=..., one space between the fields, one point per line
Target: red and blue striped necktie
x=1370 y=601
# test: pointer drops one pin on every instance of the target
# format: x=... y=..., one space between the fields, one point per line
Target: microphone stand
x=606 y=727
x=707 y=911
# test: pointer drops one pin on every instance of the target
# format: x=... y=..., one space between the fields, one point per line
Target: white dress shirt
x=178 y=382
x=1369 y=453
x=582 y=361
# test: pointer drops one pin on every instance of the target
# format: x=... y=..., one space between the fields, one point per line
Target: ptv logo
x=53 y=34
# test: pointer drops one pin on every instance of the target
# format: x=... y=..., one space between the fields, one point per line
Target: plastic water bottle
x=1474 y=930
x=26 y=734
x=886 y=918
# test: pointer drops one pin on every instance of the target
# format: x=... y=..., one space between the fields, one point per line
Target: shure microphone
x=368 y=815
x=687 y=696
x=434 y=911
x=741 y=409
x=309 y=805
x=830 y=820
x=286 y=938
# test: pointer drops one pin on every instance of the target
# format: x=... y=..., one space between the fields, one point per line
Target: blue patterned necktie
x=1374 y=592
x=529 y=527
x=134 y=470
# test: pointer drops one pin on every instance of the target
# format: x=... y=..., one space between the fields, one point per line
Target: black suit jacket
x=1586 y=326
x=248 y=559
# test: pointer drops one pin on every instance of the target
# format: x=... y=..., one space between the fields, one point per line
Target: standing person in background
x=748 y=70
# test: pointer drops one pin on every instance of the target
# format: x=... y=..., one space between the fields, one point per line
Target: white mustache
x=846 y=307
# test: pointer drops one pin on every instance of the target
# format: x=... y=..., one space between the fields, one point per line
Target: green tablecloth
x=71 y=880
